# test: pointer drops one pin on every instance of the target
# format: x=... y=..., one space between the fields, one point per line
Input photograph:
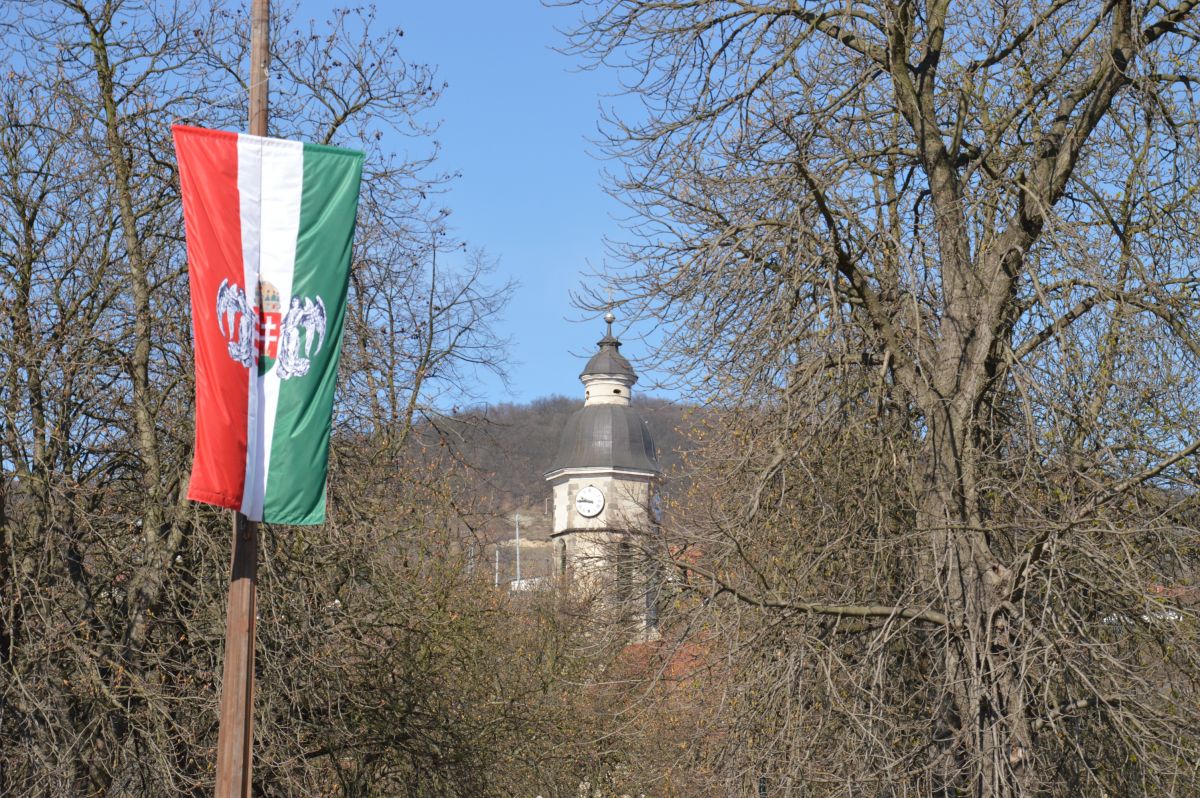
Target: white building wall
x=590 y=541
x=604 y=389
x=626 y=497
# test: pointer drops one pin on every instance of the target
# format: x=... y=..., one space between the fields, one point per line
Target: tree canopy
x=937 y=263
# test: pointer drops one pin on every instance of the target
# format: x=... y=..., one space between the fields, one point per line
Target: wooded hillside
x=511 y=446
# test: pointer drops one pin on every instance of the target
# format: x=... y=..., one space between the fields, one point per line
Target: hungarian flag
x=270 y=225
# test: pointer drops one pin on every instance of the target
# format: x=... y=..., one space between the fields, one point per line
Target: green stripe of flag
x=295 y=491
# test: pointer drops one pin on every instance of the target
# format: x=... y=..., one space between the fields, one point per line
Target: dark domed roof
x=606 y=436
x=609 y=360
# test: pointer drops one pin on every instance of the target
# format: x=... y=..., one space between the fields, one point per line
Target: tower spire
x=608 y=376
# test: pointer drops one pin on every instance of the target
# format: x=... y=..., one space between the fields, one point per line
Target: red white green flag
x=270 y=226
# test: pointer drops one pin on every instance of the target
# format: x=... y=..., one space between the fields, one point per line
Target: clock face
x=589 y=501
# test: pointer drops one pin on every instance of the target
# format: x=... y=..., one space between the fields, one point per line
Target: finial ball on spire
x=610 y=318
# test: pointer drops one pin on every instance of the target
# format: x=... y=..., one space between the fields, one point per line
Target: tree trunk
x=992 y=736
x=161 y=532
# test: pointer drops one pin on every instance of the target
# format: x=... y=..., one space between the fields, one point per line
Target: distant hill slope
x=506 y=450
x=510 y=446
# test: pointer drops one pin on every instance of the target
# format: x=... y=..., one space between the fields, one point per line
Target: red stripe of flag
x=208 y=177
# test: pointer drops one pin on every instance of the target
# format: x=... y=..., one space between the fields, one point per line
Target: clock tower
x=604 y=481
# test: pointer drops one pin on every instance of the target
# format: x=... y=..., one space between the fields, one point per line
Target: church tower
x=603 y=480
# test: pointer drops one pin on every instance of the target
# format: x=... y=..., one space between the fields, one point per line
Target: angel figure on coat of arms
x=312 y=318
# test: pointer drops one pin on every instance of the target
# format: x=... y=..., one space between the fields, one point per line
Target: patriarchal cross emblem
x=263 y=336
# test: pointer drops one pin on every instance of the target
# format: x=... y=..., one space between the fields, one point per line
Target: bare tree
x=421 y=333
x=110 y=582
x=936 y=266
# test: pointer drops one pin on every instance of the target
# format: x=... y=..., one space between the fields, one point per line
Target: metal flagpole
x=236 y=731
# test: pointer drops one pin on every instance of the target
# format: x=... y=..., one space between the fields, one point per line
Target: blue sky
x=516 y=120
